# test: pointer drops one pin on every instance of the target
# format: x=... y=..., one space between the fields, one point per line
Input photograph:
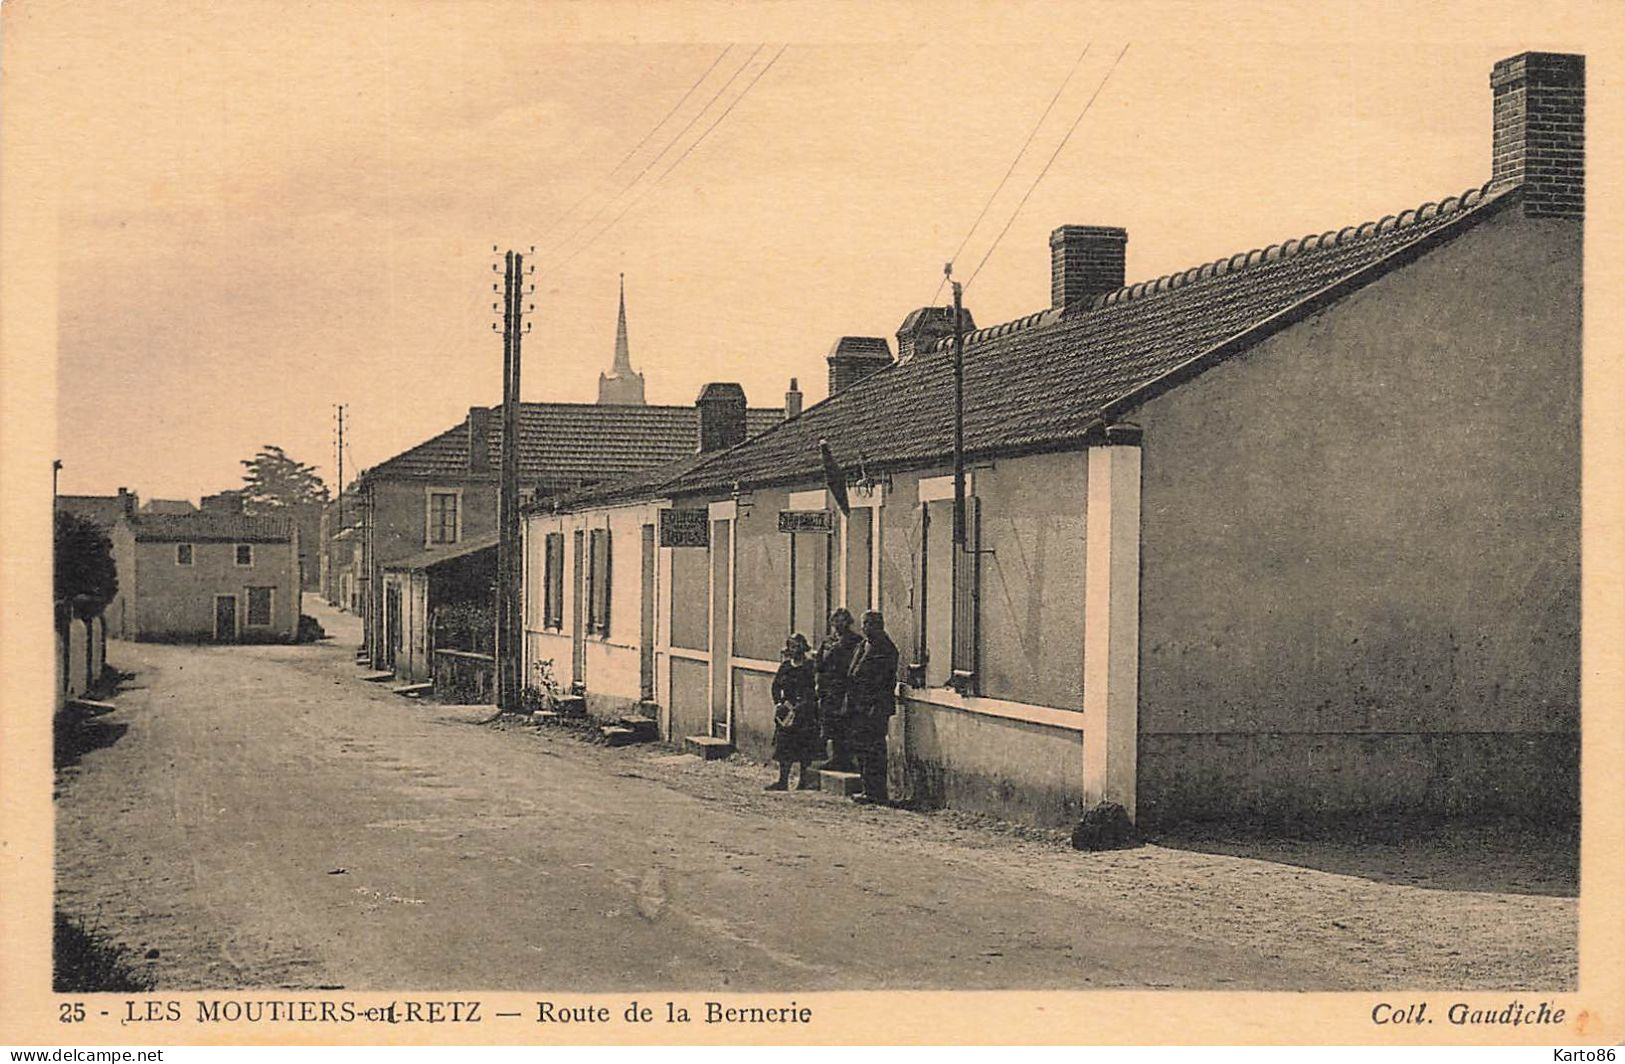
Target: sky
x=266 y=210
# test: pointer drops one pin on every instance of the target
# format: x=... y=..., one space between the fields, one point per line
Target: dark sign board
x=685 y=528
x=807 y=521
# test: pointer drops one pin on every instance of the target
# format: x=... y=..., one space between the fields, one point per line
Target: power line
x=659 y=155
x=553 y=228
x=671 y=112
x=1053 y=156
x=1013 y=164
x=678 y=162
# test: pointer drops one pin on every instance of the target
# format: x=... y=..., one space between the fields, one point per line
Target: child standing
x=796 y=738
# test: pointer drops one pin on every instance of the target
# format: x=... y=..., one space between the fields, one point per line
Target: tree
x=273 y=482
x=86 y=579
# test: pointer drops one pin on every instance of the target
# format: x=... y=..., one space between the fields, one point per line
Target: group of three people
x=843 y=695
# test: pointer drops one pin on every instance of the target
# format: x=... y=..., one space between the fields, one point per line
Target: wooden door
x=225 y=618
x=646 y=620
x=721 y=628
x=578 y=609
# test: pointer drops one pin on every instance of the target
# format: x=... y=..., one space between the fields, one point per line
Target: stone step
x=646 y=729
x=708 y=747
x=573 y=706
x=616 y=735
x=844 y=784
x=91 y=706
x=414 y=690
x=378 y=677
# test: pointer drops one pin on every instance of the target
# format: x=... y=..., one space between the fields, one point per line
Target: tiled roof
x=426 y=558
x=570 y=442
x=104 y=510
x=202 y=526
x=168 y=506
x=1050 y=378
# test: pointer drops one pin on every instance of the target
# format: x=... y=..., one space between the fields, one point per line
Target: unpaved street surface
x=260 y=817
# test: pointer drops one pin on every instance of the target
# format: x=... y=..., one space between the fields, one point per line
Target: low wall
x=1282 y=779
x=1010 y=769
x=464 y=677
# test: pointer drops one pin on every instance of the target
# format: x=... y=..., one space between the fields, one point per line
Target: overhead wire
x=565 y=242
x=1013 y=164
x=675 y=107
x=679 y=160
x=1050 y=162
x=553 y=228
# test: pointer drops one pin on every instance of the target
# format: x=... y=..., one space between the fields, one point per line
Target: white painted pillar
x=1111 y=620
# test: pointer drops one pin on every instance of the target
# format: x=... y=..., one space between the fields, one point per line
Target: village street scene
x=663 y=597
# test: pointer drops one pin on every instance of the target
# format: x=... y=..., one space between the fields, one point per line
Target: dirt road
x=268 y=820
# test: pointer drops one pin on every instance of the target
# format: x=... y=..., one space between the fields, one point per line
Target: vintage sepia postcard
x=696 y=522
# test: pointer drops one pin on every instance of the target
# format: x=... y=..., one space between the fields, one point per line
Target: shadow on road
x=1494 y=858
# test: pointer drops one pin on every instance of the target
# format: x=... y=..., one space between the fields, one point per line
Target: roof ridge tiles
x=1238 y=262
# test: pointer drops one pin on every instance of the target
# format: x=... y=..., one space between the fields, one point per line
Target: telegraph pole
x=959 y=416
x=340 y=499
x=509 y=633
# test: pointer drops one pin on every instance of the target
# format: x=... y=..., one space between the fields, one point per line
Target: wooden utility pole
x=510 y=633
x=959 y=420
x=340 y=498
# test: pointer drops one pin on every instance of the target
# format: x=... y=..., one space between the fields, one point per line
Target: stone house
x=1290 y=535
x=205 y=577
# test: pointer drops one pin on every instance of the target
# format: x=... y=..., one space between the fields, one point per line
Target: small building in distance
x=205 y=577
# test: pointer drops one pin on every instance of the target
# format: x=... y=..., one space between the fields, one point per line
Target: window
x=183 y=554
x=259 y=607
x=553 y=585
x=598 y=577
x=947 y=637
x=245 y=554
x=443 y=516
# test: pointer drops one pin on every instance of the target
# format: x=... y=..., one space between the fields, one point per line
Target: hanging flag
x=834 y=477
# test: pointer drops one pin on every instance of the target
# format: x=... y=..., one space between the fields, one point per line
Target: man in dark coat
x=871 y=699
x=834 y=664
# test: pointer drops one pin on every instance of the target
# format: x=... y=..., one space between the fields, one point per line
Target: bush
x=1105 y=827
x=543 y=690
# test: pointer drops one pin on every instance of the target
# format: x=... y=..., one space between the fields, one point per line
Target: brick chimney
x=854 y=358
x=792 y=401
x=130 y=501
x=1540 y=105
x=721 y=416
x=479 y=439
x=922 y=329
x=1085 y=261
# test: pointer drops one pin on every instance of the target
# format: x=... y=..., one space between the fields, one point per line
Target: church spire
x=623 y=354
x=622 y=385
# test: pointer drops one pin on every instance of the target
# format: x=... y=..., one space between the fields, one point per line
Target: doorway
x=225 y=618
x=646 y=620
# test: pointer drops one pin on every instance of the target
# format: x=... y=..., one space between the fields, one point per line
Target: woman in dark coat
x=796 y=738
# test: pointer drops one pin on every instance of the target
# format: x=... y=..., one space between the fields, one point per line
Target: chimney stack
x=1085 y=261
x=479 y=439
x=792 y=401
x=923 y=328
x=853 y=358
x=721 y=415
x=1540 y=104
x=128 y=498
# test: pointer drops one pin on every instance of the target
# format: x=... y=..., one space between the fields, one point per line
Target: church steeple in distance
x=622 y=385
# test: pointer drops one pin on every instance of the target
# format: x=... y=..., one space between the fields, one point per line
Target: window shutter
x=921 y=631
x=603 y=611
x=967 y=600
